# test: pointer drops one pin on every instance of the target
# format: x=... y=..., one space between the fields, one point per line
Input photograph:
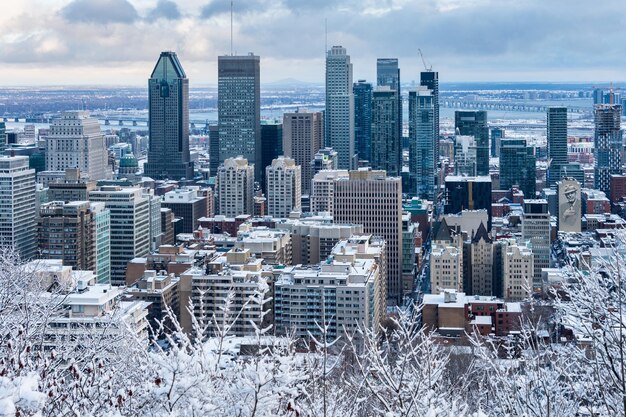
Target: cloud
x=220 y=7
x=165 y=9
x=100 y=11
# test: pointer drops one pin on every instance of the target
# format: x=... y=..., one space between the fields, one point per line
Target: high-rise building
x=373 y=199
x=465 y=155
x=323 y=190
x=497 y=134
x=130 y=226
x=303 y=136
x=214 y=149
x=608 y=145
x=468 y=193
x=235 y=187
x=388 y=75
x=78 y=233
x=517 y=271
x=474 y=123
x=283 y=187
x=363 y=119
x=481 y=262
x=386 y=143
x=188 y=204
x=557 y=143
x=168 y=124
x=239 y=108
x=3 y=137
x=339 y=113
x=422 y=143
x=536 y=235
x=76 y=141
x=446 y=260
x=518 y=166
x=430 y=80
x=272 y=146
x=17 y=205
x=324 y=159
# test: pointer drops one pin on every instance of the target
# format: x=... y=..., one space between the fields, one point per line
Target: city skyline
x=65 y=42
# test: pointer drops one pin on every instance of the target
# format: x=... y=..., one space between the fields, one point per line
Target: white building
x=517 y=272
x=446 y=261
x=76 y=141
x=17 y=205
x=235 y=187
x=273 y=246
x=284 y=187
x=323 y=190
x=130 y=226
x=345 y=291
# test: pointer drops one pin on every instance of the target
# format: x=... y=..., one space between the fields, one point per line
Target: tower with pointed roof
x=481 y=263
x=168 y=123
x=446 y=260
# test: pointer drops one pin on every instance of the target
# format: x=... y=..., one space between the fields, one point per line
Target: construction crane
x=610 y=88
x=426 y=67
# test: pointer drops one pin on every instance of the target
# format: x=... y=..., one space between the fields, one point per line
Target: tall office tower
x=323 y=190
x=214 y=149
x=386 y=144
x=235 y=187
x=130 y=226
x=557 y=143
x=188 y=204
x=324 y=159
x=76 y=141
x=239 y=108
x=363 y=119
x=374 y=200
x=468 y=193
x=474 y=123
x=78 y=233
x=339 y=114
x=497 y=134
x=3 y=137
x=423 y=142
x=17 y=205
x=168 y=121
x=465 y=155
x=607 y=144
x=283 y=187
x=388 y=75
x=272 y=146
x=518 y=166
x=430 y=80
x=303 y=136
x=536 y=234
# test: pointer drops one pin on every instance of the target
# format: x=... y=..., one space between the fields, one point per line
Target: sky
x=117 y=42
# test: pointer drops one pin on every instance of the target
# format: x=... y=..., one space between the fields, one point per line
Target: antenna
x=231 y=27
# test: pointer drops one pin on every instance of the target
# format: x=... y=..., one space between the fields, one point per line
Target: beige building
x=446 y=260
x=284 y=187
x=481 y=262
x=273 y=246
x=323 y=190
x=303 y=135
x=235 y=187
x=517 y=271
x=374 y=200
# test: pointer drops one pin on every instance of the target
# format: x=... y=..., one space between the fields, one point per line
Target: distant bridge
x=503 y=106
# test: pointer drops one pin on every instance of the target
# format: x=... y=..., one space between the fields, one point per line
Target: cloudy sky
x=116 y=42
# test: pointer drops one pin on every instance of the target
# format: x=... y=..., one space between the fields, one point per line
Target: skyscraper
x=235 y=187
x=388 y=75
x=239 y=108
x=430 y=80
x=76 y=141
x=607 y=144
x=303 y=135
x=17 y=205
x=272 y=146
x=557 y=143
x=468 y=193
x=168 y=123
x=363 y=119
x=536 y=234
x=374 y=200
x=475 y=123
x=386 y=142
x=339 y=115
x=422 y=143
x=518 y=166
x=283 y=187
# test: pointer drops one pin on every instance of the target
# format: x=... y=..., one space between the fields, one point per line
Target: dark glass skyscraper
x=386 y=143
x=422 y=143
x=272 y=148
x=608 y=145
x=517 y=166
x=430 y=80
x=474 y=123
x=557 y=143
x=468 y=193
x=388 y=75
x=362 y=91
x=239 y=108
x=168 y=121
